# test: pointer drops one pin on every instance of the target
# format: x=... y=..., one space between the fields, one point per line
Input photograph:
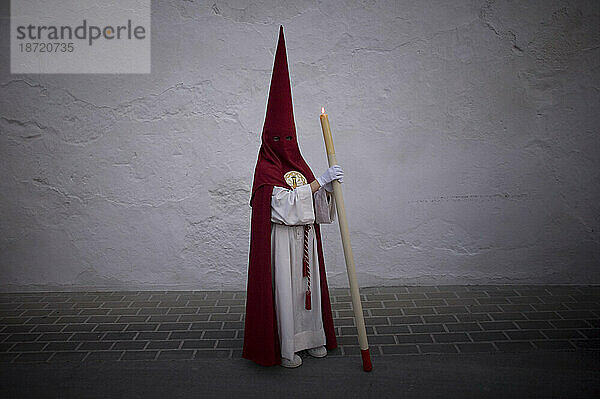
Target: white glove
x=334 y=172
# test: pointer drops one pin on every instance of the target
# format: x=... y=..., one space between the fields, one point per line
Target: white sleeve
x=324 y=207
x=292 y=207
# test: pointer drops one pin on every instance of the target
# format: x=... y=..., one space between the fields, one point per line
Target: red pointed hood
x=279 y=152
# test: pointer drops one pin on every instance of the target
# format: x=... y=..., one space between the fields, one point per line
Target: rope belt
x=305 y=266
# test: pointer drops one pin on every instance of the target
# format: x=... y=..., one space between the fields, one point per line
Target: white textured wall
x=468 y=131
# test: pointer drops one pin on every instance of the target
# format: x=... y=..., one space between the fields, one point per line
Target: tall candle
x=344 y=231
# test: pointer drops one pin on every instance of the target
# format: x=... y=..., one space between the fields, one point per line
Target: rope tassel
x=305 y=267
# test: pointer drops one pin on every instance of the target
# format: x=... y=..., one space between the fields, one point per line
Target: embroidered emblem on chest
x=294 y=179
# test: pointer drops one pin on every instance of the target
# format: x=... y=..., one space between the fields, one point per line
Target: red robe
x=275 y=158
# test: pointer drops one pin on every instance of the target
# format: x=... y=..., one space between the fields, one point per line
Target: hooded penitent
x=278 y=154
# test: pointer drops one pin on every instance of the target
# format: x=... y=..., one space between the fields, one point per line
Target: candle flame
x=322 y=110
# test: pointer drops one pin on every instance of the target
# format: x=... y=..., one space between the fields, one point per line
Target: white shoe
x=319 y=351
x=291 y=363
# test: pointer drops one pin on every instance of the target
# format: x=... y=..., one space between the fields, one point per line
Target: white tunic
x=299 y=328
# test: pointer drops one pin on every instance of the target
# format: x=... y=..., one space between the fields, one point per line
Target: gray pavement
x=425 y=341
x=537 y=374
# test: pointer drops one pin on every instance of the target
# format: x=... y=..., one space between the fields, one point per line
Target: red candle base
x=366 y=358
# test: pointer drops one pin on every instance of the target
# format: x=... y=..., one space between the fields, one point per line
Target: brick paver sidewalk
x=153 y=325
